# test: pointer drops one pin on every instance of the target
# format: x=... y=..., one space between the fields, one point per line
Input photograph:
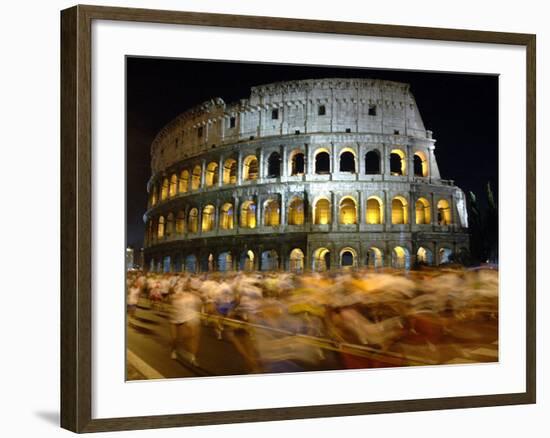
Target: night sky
x=460 y=109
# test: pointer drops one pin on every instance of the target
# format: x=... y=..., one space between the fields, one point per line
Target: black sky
x=460 y=109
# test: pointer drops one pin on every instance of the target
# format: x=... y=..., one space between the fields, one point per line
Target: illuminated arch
x=372 y=162
x=420 y=164
x=296 y=260
x=399 y=210
x=445 y=255
x=296 y=212
x=322 y=161
x=422 y=208
x=227 y=216
x=348 y=160
x=247 y=261
x=160 y=227
x=375 y=258
x=208 y=216
x=398 y=162
x=272 y=213
x=248 y=214
x=184 y=181
x=164 y=189
x=180 y=222
x=250 y=168
x=401 y=258
x=196 y=178
x=348 y=257
x=424 y=256
x=348 y=211
x=169 y=224
x=375 y=210
x=321 y=260
x=193 y=221
x=269 y=260
x=321 y=212
x=230 y=171
x=444 y=216
x=297 y=162
x=173 y=189
x=211 y=174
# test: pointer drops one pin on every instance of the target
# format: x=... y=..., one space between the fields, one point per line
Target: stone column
x=283 y=213
x=334 y=212
x=217 y=216
x=240 y=168
x=361 y=211
x=261 y=167
x=385 y=160
x=410 y=163
x=433 y=209
x=334 y=168
x=259 y=211
x=284 y=164
x=203 y=173
x=236 y=214
x=220 y=171
x=387 y=210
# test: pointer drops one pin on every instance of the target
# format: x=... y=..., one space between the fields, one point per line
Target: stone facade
x=311 y=174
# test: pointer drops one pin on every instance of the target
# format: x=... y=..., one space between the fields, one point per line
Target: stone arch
x=297 y=162
x=274 y=165
x=444 y=215
x=348 y=257
x=322 y=161
x=248 y=214
x=272 y=213
x=423 y=211
x=375 y=257
x=398 y=162
x=250 y=168
x=424 y=256
x=420 y=164
x=193 y=220
x=196 y=178
x=296 y=260
x=191 y=264
x=173 y=188
x=184 y=181
x=153 y=195
x=230 y=171
x=269 y=260
x=246 y=262
x=347 y=162
x=180 y=222
x=321 y=259
x=375 y=210
x=372 y=162
x=348 y=211
x=211 y=174
x=225 y=261
x=399 y=210
x=445 y=255
x=227 y=216
x=160 y=228
x=169 y=224
x=321 y=211
x=401 y=258
x=164 y=189
x=296 y=211
x=208 y=217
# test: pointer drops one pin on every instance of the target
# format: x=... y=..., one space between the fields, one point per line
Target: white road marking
x=143 y=367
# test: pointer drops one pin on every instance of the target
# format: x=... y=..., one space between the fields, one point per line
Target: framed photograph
x=268 y=218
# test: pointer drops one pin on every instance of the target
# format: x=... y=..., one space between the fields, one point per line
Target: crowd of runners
x=261 y=314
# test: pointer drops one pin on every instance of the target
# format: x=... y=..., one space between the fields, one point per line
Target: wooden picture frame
x=76 y=217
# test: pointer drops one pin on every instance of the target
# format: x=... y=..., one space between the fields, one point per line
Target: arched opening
x=400 y=258
x=208 y=218
x=372 y=162
x=296 y=263
x=210 y=263
x=444 y=212
x=211 y=174
x=230 y=171
x=297 y=163
x=180 y=222
x=348 y=258
x=272 y=212
x=149 y=234
x=184 y=181
x=169 y=224
x=191 y=263
x=274 y=165
x=420 y=164
x=375 y=212
x=398 y=163
x=321 y=260
x=348 y=211
x=422 y=207
x=374 y=257
x=347 y=162
x=248 y=214
x=321 y=215
x=225 y=262
x=269 y=261
x=247 y=261
x=322 y=163
x=226 y=219
x=178 y=263
x=296 y=214
x=196 y=178
x=173 y=190
x=445 y=256
x=399 y=213
x=193 y=221
x=164 y=189
x=166 y=264
x=424 y=256
x=160 y=228
x=250 y=168
x=154 y=195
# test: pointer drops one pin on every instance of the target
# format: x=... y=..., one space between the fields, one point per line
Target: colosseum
x=303 y=175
